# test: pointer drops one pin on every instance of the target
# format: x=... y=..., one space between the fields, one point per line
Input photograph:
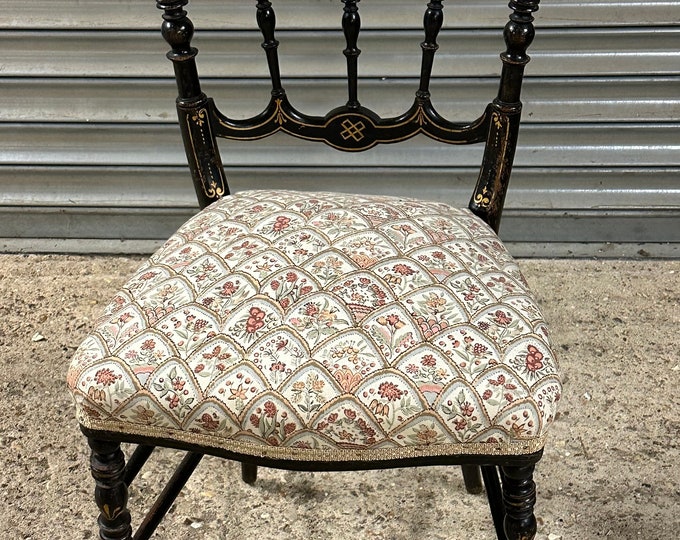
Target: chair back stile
x=352 y=127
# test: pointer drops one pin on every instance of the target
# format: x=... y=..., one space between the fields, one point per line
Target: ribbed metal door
x=90 y=153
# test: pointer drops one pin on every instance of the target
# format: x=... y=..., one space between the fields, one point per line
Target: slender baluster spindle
x=432 y=22
x=266 y=20
x=351 y=25
x=518 y=34
x=178 y=30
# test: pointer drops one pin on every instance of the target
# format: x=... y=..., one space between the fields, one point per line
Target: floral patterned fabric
x=324 y=326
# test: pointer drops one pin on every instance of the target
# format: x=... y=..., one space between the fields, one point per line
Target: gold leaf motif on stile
x=482 y=198
x=280 y=118
x=497 y=120
x=421 y=119
x=199 y=117
x=215 y=190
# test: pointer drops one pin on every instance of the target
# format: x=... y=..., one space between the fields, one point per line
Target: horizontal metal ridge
x=545 y=250
x=540 y=145
x=538 y=225
x=555 y=99
x=297 y=14
x=170 y=187
x=464 y=53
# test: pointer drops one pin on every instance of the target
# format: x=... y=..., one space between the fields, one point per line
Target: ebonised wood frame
x=352 y=128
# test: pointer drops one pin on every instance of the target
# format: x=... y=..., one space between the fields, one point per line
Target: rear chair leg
x=495 y=495
x=472 y=479
x=248 y=472
x=519 y=496
x=107 y=464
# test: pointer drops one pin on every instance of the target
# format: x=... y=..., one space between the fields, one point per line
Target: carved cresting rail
x=352 y=127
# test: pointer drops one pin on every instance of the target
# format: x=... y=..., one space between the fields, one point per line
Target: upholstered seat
x=325 y=326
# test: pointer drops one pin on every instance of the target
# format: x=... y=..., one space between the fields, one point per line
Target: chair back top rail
x=352 y=127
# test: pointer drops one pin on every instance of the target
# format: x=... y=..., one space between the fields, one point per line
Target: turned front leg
x=519 y=497
x=107 y=464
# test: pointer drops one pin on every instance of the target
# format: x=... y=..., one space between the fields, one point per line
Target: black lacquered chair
x=326 y=331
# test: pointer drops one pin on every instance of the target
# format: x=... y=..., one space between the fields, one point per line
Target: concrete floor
x=610 y=469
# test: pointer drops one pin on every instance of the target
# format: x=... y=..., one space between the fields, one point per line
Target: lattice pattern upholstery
x=325 y=326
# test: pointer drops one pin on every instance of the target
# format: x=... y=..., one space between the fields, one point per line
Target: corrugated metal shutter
x=90 y=153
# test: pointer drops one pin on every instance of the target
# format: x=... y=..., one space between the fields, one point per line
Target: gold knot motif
x=352 y=130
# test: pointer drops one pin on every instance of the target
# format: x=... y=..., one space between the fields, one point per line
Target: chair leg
x=248 y=472
x=519 y=496
x=495 y=496
x=473 y=479
x=107 y=464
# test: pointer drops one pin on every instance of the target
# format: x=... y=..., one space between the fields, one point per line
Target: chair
x=325 y=331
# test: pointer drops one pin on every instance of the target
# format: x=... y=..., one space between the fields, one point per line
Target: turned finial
x=432 y=23
x=178 y=30
x=519 y=32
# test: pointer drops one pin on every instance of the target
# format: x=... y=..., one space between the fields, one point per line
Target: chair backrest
x=352 y=127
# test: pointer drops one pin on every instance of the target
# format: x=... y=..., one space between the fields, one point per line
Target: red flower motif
x=479 y=349
x=349 y=413
x=291 y=277
x=403 y=269
x=256 y=320
x=277 y=366
x=393 y=320
x=428 y=360
x=501 y=318
x=208 y=422
x=105 y=376
x=534 y=360
x=173 y=401
x=390 y=391
x=281 y=223
x=269 y=409
x=200 y=324
x=228 y=289
x=311 y=309
x=487 y=394
x=148 y=345
x=431 y=326
x=466 y=409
